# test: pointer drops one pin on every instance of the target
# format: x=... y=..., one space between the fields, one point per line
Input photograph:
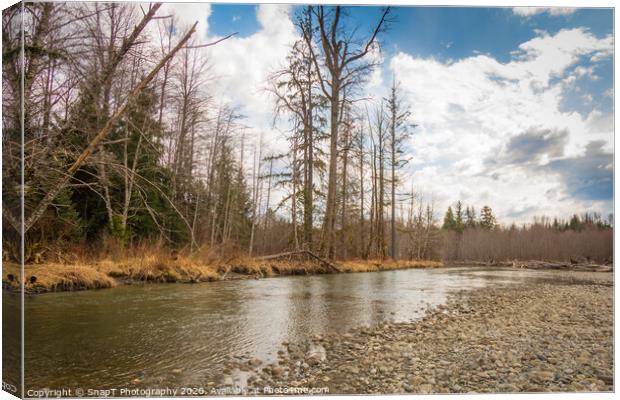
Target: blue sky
x=453 y=33
x=514 y=106
x=428 y=31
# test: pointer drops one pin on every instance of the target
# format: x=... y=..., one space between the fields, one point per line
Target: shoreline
x=53 y=277
x=580 y=265
x=515 y=338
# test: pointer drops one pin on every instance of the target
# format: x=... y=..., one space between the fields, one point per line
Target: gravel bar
x=553 y=334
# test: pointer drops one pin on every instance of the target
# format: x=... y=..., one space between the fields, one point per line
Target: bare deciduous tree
x=342 y=66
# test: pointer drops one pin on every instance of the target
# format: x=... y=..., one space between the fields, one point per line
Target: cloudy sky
x=514 y=106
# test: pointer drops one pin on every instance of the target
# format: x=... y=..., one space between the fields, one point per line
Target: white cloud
x=547 y=55
x=555 y=11
x=469 y=110
x=375 y=80
x=241 y=66
x=187 y=14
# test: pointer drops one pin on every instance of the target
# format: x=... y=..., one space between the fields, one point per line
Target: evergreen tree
x=459 y=225
x=449 y=222
x=470 y=214
x=487 y=219
x=575 y=223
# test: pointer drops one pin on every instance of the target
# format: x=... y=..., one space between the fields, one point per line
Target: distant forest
x=124 y=146
x=586 y=237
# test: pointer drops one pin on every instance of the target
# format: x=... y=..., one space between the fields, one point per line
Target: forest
x=125 y=147
x=129 y=163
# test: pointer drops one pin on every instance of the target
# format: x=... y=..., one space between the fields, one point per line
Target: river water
x=180 y=334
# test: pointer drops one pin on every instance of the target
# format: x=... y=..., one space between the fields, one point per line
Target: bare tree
x=256 y=188
x=377 y=125
x=342 y=59
x=399 y=132
x=294 y=88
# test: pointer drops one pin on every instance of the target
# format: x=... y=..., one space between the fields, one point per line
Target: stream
x=179 y=334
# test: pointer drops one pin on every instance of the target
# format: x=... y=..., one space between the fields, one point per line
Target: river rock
x=543 y=376
x=532 y=336
x=254 y=362
x=316 y=354
x=426 y=388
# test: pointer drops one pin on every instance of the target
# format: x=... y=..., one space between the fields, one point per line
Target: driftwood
x=568 y=266
x=580 y=265
x=307 y=253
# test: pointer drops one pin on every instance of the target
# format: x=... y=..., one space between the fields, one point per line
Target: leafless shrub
x=535 y=242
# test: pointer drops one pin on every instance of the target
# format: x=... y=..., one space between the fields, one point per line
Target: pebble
x=528 y=337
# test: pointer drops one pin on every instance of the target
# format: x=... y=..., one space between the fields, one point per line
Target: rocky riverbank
x=551 y=334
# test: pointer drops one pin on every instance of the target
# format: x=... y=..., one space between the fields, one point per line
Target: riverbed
x=177 y=335
x=553 y=334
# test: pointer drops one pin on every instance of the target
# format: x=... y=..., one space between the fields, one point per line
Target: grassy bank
x=106 y=273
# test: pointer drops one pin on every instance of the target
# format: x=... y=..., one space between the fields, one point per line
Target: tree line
x=460 y=219
x=586 y=236
x=124 y=143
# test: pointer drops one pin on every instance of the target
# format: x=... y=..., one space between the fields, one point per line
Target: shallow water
x=178 y=334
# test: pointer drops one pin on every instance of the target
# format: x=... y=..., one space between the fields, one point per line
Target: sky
x=513 y=106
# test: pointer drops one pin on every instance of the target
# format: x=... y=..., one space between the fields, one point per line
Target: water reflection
x=180 y=334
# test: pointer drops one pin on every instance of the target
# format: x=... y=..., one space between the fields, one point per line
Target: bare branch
x=49 y=197
x=199 y=46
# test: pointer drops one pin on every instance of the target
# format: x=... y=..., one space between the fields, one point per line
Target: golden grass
x=385 y=265
x=162 y=267
x=252 y=266
x=57 y=277
x=155 y=268
x=106 y=273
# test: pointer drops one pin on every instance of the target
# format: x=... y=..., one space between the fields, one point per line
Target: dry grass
x=302 y=267
x=385 y=265
x=51 y=277
x=158 y=266
x=155 y=268
x=57 y=277
x=262 y=268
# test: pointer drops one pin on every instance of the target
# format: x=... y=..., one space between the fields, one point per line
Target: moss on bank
x=106 y=273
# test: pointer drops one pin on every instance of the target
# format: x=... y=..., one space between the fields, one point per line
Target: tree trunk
x=255 y=192
x=330 y=210
x=294 y=195
x=381 y=199
x=343 y=221
x=309 y=169
x=393 y=165
x=362 y=228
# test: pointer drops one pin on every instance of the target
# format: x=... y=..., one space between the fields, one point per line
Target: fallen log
x=300 y=253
